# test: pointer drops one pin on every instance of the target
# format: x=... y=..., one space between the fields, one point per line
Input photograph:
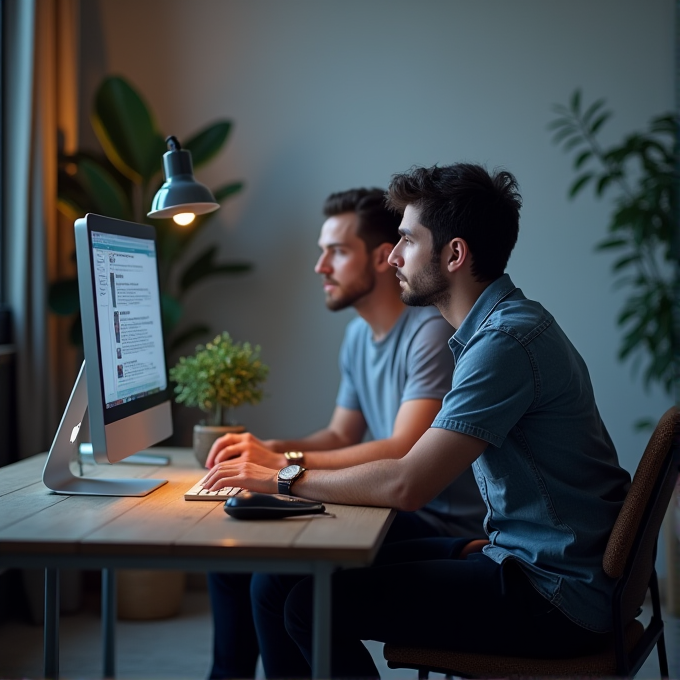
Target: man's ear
x=380 y=255
x=455 y=254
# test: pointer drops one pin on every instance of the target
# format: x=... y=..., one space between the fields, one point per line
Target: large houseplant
x=220 y=376
x=121 y=182
x=642 y=173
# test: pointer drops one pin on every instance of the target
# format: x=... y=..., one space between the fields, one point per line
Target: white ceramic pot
x=205 y=435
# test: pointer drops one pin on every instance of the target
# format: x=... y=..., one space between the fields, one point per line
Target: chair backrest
x=631 y=550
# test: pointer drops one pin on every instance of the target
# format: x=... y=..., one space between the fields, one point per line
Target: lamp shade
x=180 y=193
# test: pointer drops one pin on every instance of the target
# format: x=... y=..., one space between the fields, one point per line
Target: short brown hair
x=377 y=223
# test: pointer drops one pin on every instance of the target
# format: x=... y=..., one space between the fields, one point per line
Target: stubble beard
x=426 y=288
x=352 y=295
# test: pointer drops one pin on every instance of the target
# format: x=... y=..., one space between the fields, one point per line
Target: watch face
x=289 y=472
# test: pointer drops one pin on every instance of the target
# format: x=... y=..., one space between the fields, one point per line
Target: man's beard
x=428 y=287
x=353 y=294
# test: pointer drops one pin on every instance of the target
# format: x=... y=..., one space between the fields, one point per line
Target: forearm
x=342 y=440
x=355 y=455
x=323 y=440
x=378 y=483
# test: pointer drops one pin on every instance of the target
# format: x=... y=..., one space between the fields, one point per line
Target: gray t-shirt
x=412 y=362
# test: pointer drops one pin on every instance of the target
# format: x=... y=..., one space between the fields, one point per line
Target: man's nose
x=394 y=258
x=322 y=266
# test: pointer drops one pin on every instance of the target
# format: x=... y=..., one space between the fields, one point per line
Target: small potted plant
x=220 y=376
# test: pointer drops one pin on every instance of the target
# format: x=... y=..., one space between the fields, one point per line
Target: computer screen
x=123 y=381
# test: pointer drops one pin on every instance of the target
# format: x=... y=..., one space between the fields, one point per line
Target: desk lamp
x=181 y=196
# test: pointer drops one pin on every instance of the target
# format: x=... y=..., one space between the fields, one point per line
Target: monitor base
x=57 y=475
x=109 y=487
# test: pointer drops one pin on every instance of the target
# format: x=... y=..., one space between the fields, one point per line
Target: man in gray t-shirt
x=396 y=368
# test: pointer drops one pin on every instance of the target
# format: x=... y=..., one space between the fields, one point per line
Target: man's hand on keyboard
x=244 y=474
x=246 y=448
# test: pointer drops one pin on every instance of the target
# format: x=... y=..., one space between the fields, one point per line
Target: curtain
x=41 y=110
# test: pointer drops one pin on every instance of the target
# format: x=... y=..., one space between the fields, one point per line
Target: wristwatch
x=295 y=457
x=287 y=476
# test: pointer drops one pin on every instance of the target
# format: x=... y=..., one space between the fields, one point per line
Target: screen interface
x=129 y=317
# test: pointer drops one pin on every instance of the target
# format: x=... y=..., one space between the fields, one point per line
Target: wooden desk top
x=35 y=523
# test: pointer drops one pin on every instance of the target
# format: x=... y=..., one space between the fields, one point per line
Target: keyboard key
x=198 y=493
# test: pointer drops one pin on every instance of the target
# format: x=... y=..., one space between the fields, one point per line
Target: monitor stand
x=57 y=475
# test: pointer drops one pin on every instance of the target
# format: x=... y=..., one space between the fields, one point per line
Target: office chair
x=629 y=558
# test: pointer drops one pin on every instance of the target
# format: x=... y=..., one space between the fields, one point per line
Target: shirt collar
x=486 y=303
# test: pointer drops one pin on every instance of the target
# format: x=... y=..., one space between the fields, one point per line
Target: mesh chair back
x=632 y=543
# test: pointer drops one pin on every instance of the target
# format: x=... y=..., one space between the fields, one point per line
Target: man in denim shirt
x=522 y=412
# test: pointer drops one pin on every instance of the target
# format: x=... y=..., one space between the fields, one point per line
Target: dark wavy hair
x=464 y=201
x=377 y=223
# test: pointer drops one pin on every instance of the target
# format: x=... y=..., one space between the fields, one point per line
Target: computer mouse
x=253 y=505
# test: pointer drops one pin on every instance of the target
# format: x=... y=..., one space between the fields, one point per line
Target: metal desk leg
x=109 y=621
x=321 y=643
x=51 y=624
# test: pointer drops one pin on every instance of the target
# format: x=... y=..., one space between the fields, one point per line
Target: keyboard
x=198 y=493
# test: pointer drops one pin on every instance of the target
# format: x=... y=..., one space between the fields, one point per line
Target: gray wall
x=327 y=95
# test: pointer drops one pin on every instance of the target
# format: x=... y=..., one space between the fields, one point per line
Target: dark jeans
x=416 y=593
x=235 y=643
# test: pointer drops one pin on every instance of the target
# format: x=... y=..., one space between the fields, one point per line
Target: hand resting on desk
x=246 y=448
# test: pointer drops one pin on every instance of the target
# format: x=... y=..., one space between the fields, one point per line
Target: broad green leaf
x=572 y=143
x=561 y=123
x=666 y=124
x=204 y=265
x=567 y=133
x=106 y=195
x=632 y=341
x=599 y=122
x=582 y=158
x=659 y=367
x=579 y=183
x=171 y=311
x=625 y=261
x=611 y=243
x=575 y=102
x=593 y=108
x=75 y=335
x=227 y=190
x=644 y=425
x=625 y=316
x=602 y=184
x=63 y=298
x=69 y=209
x=206 y=144
x=562 y=110
x=126 y=130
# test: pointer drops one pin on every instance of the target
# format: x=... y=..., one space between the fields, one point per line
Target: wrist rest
x=253 y=505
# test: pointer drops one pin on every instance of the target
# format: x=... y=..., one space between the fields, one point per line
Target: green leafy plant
x=642 y=173
x=121 y=182
x=220 y=376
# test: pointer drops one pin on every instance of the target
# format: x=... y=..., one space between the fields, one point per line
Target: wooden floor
x=178 y=647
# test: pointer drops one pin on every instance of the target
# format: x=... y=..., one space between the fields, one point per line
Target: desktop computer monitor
x=123 y=381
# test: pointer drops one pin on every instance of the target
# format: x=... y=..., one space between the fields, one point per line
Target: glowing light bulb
x=184 y=218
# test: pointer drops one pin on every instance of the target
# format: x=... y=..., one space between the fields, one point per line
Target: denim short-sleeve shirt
x=550 y=475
